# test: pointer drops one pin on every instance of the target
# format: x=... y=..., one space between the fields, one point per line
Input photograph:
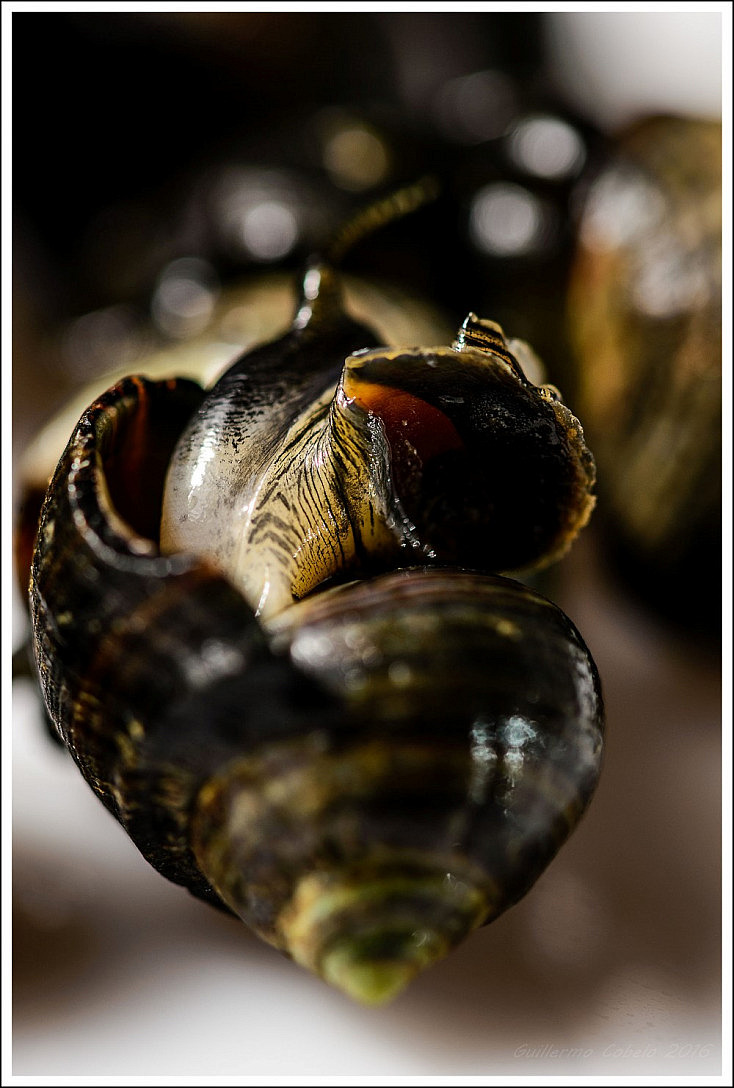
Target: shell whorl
x=469 y=747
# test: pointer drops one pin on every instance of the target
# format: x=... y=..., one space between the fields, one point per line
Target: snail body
x=363 y=770
x=446 y=455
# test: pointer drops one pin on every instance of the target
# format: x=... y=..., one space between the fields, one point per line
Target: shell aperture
x=490 y=470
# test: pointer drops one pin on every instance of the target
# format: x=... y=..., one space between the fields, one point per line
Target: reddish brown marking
x=140 y=438
x=415 y=430
x=131 y=464
x=407 y=418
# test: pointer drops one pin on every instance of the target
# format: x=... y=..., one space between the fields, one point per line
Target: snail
x=270 y=629
x=645 y=319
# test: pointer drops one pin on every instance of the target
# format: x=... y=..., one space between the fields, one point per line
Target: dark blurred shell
x=645 y=317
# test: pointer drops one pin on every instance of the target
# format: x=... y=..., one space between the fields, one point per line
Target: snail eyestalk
x=375 y=216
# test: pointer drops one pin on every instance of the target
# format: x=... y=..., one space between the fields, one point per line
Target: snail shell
x=386 y=764
x=645 y=317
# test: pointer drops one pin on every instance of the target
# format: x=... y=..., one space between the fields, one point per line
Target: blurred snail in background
x=270 y=627
x=645 y=321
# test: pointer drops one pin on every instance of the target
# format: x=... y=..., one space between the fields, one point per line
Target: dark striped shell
x=363 y=776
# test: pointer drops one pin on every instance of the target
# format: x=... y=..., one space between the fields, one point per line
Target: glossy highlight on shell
x=309 y=698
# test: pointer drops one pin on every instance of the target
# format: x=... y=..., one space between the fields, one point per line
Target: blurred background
x=171 y=174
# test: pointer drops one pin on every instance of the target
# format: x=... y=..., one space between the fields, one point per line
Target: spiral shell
x=369 y=772
x=645 y=318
